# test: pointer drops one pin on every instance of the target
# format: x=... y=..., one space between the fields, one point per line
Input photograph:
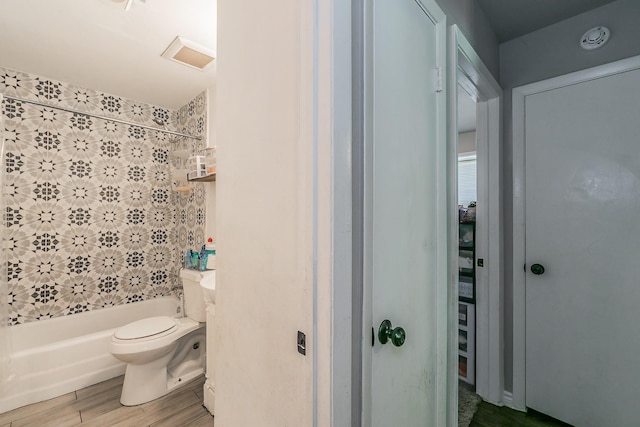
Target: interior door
x=583 y=251
x=406 y=216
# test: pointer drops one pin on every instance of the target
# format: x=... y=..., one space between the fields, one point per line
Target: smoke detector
x=189 y=53
x=594 y=38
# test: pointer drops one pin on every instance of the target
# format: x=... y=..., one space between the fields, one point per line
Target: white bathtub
x=57 y=356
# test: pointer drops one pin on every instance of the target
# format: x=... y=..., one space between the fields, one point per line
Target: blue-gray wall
x=550 y=52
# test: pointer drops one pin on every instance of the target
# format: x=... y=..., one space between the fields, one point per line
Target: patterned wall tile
x=90 y=219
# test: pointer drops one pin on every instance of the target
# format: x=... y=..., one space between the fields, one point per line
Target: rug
x=468 y=403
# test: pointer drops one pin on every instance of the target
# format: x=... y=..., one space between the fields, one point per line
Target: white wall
x=467 y=142
x=543 y=54
x=264 y=215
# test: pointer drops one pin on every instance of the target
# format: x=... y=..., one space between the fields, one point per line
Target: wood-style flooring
x=99 y=406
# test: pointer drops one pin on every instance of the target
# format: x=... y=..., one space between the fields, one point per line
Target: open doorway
x=476 y=227
x=467 y=196
x=467 y=201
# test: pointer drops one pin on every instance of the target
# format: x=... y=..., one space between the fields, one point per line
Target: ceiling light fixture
x=189 y=53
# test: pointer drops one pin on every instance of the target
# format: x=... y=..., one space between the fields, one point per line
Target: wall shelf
x=209 y=178
x=466 y=297
x=466 y=342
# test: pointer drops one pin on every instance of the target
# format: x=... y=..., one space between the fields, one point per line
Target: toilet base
x=183 y=362
x=157 y=383
x=175 y=383
x=143 y=383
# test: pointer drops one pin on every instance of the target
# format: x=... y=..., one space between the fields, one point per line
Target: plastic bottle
x=187 y=259
x=210 y=249
x=195 y=260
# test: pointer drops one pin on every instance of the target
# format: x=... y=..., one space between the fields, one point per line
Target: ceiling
x=97 y=44
x=514 y=18
x=510 y=19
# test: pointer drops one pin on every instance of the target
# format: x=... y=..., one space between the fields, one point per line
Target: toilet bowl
x=162 y=353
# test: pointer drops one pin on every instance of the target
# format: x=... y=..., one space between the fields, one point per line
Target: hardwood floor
x=99 y=406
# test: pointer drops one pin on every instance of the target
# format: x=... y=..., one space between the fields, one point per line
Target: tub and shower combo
x=51 y=357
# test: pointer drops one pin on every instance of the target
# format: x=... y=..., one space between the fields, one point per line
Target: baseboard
x=507 y=398
x=209 y=396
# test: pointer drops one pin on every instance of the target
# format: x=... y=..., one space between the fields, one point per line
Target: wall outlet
x=302 y=343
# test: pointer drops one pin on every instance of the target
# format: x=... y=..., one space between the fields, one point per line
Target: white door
x=582 y=147
x=406 y=216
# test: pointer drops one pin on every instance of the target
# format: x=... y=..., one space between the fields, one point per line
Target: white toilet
x=163 y=353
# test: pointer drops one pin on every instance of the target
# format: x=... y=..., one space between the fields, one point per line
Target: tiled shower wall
x=91 y=220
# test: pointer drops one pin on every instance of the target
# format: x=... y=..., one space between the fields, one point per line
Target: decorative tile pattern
x=191 y=119
x=90 y=216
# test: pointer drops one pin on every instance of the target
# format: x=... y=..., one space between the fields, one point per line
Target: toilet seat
x=152 y=327
x=177 y=328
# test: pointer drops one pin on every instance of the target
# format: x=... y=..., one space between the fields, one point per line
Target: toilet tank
x=194 y=305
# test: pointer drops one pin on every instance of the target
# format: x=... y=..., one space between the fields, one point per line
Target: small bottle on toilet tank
x=209 y=250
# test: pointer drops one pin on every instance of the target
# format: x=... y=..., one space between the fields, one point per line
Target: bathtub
x=57 y=356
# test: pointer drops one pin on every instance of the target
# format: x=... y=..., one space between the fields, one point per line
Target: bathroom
x=268 y=213
x=96 y=226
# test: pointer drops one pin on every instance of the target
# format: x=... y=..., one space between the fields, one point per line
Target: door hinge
x=438 y=79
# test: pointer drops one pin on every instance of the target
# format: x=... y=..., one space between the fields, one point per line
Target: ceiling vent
x=189 y=53
x=595 y=38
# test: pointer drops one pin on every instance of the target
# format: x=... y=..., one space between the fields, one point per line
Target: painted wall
x=91 y=219
x=475 y=27
x=467 y=142
x=543 y=54
x=264 y=215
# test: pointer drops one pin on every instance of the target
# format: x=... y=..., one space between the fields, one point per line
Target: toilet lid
x=146 y=328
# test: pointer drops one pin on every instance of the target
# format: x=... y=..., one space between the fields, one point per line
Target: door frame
x=467 y=70
x=362 y=177
x=519 y=212
x=326 y=52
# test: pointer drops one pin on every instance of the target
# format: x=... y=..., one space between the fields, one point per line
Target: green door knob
x=387 y=331
x=537 y=269
x=398 y=336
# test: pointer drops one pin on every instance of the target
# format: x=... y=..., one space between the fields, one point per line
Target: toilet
x=162 y=353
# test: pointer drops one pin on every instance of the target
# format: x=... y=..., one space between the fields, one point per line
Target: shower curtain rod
x=69 y=110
